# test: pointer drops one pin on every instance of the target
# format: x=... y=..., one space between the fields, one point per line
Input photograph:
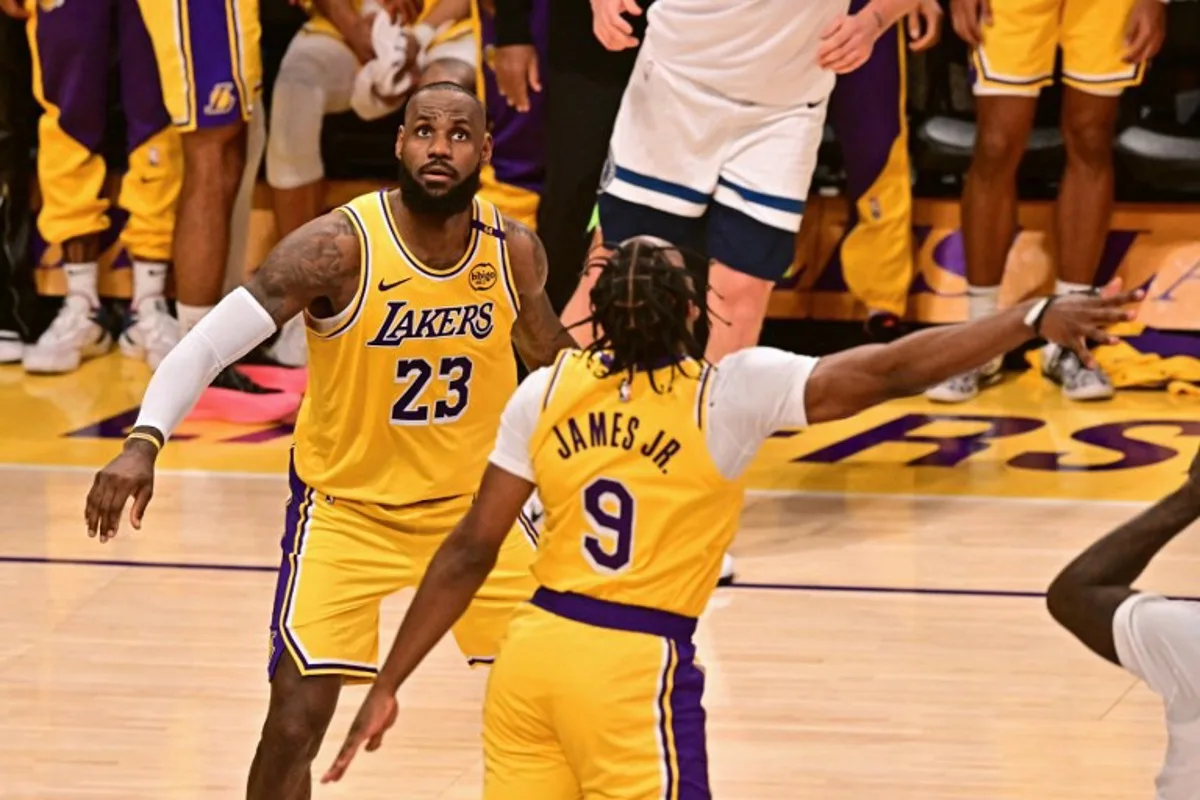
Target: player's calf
x=298 y=716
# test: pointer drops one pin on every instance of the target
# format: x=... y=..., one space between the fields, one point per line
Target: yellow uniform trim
x=667 y=728
x=415 y=262
x=184 y=34
x=345 y=323
x=234 y=29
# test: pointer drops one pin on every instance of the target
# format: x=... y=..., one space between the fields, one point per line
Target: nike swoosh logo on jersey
x=387 y=287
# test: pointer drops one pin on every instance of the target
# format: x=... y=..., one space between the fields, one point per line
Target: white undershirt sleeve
x=1158 y=640
x=755 y=393
x=517 y=424
x=233 y=328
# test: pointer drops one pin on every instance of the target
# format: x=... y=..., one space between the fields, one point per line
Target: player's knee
x=290 y=737
x=1088 y=141
x=997 y=153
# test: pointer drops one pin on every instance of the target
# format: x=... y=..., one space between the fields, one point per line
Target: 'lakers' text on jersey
x=407 y=384
x=636 y=510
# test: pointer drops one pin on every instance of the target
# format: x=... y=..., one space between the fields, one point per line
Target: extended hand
x=613 y=30
x=924 y=25
x=847 y=43
x=1075 y=319
x=517 y=73
x=131 y=474
x=377 y=715
x=1145 y=30
x=969 y=18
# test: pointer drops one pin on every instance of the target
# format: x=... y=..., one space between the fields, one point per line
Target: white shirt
x=754 y=51
x=1158 y=640
x=754 y=393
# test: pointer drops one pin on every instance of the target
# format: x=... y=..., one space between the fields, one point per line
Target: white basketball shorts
x=678 y=146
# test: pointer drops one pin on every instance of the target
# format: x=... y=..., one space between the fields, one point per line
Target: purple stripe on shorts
x=289 y=546
x=664 y=680
x=687 y=724
x=218 y=94
x=617 y=616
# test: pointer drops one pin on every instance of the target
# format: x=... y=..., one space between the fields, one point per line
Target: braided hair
x=642 y=308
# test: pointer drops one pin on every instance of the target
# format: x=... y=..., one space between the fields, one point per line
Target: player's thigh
x=209 y=59
x=1093 y=44
x=338 y=563
x=481 y=629
x=1018 y=49
x=760 y=197
x=522 y=755
x=322 y=65
x=635 y=728
x=667 y=142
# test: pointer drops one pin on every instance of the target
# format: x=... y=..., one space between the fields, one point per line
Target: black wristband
x=149 y=432
x=1037 y=321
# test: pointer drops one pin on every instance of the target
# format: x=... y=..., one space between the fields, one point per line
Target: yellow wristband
x=146 y=438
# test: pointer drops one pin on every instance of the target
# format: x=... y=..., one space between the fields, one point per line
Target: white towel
x=382 y=83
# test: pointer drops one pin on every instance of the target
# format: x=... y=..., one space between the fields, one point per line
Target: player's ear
x=485 y=155
x=399 y=141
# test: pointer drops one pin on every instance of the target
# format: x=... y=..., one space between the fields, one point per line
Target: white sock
x=1063 y=287
x=982 y=301
x=190 y=316
x=149 y=282
x=82 y=291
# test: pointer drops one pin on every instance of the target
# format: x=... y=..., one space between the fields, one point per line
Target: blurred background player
x=515 y=179
x=868 y=111
x=72 y=48
x=1105 y=46
x=637 y=446
x=1154 y=637
x=418 y=294
x=211 y=69
x=717 y=137
x=574 y=84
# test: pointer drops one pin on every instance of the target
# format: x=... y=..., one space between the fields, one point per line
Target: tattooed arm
x=317 y=265
x=539 y=334
x=1085 y=595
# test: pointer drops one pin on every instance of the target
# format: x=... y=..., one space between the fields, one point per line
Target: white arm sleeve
x=1158 y=640
x=755 y=393
x=517 y=423
x=228 y=332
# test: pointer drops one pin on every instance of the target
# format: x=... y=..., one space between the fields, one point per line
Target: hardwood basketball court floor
x=887 y=636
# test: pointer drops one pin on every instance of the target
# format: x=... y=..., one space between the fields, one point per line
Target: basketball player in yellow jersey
x=413 y=301
x=637 y=449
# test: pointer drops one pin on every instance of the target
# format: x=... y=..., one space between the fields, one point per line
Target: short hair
x=445 y=86
x=642 y=305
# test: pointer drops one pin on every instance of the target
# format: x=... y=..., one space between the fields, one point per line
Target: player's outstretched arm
x=854 y=380
x=539 y=334
x=455 y=574
x=1085 y=595
x=317 y=260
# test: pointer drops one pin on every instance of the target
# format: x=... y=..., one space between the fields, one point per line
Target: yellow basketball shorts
x=342 y=557
x=1018 y=50
x=590 y=699
x=209 y=58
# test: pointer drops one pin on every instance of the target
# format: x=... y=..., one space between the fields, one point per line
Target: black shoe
x=234 y=379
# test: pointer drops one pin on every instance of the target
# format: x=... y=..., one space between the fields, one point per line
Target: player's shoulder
x=762 y=360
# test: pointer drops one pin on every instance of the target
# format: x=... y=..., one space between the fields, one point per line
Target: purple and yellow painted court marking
x=1021 y=439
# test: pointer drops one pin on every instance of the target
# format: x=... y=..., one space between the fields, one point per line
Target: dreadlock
x=641 y=306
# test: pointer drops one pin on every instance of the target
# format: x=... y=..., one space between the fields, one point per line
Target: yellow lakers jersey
x=636 y=510
x=407 y=384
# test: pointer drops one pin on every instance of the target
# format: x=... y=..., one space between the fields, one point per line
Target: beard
x=454 y=200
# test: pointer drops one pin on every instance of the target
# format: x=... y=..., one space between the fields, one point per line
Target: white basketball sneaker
x=290 y=347
x=727 y=572
x=1077 y=381
x=75 y=335
x=150 y=334
x=966 y=386
x=11 y=347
